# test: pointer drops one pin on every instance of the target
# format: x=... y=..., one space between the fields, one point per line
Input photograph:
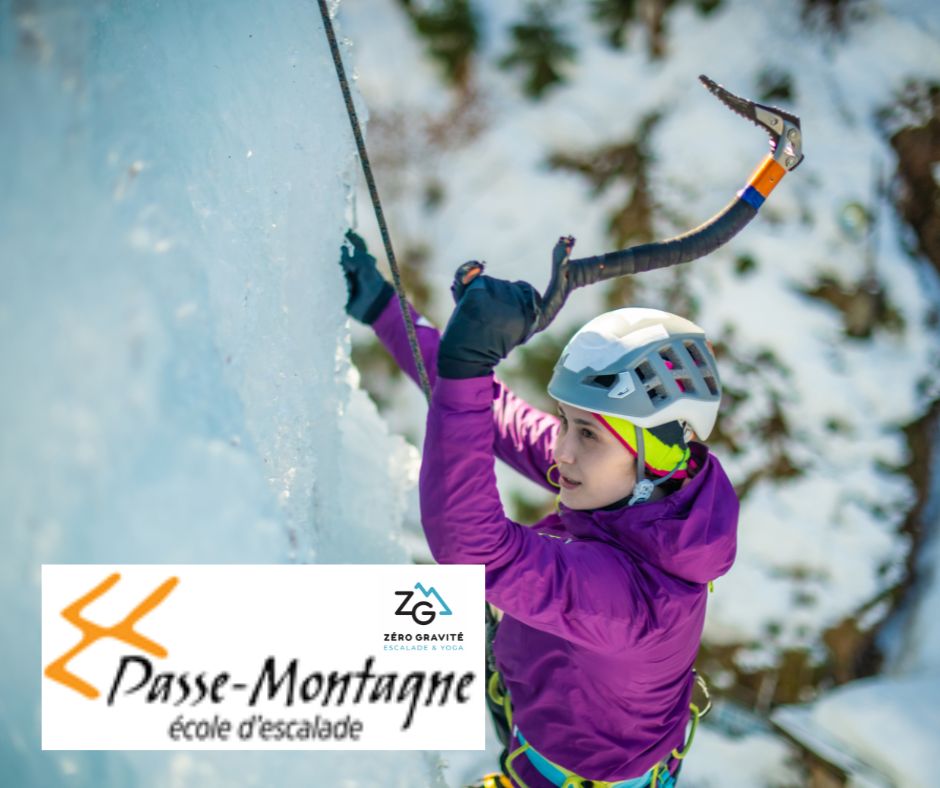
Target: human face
x=595 y=469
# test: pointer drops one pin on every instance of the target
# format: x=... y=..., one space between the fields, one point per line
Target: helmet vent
x=645 y=373
x=695 y=353
x=655 y=389
x=678 y=367
x=601 y=381
x=708 y=376
x=668 y=355
x=657 y=394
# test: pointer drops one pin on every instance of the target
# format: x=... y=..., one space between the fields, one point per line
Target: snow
x=800 y=724
x=177 y=383
x=888 y=723
x=891 y=721
x=721 y=761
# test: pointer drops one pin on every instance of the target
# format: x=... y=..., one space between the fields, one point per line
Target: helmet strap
x=644 y=487
x=640 y=454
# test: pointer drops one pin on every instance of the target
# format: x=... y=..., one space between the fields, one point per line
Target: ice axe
x=786 y=145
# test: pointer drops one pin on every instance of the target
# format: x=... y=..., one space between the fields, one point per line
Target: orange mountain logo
x=91 y=632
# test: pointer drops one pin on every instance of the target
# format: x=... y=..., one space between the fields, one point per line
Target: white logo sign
x=262 y=657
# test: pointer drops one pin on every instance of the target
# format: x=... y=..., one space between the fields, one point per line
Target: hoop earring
x=548 y=476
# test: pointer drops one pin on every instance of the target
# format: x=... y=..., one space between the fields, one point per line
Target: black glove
x=368 y=291
x=492 y=316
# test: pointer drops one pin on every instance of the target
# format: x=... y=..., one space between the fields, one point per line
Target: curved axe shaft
x=786 y=143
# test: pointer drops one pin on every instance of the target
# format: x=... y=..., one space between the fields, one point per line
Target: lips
x=568 y=484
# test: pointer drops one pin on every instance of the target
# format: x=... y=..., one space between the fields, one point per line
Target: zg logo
x=123 y=631
x=422 y=611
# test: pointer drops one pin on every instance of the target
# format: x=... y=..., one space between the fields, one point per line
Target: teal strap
x=563 y=778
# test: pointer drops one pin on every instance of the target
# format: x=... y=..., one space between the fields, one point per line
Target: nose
x=564 y=448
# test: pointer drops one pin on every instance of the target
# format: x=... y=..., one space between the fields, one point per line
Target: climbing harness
x=657 y=777
x=786 y=145
x=376 y=203
x=495 y=780
x=563 y=778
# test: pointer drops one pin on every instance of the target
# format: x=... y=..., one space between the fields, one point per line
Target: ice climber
x=603 y=601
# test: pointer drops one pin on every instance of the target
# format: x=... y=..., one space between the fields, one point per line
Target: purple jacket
x=602 y=625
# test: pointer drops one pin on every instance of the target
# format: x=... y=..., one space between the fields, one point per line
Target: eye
x=586 y=433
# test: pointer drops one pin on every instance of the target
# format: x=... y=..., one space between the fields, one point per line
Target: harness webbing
x=376 y=203
x=659 y=775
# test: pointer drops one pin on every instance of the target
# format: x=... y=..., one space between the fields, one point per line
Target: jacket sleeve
x=523 y=436
x=582 y=591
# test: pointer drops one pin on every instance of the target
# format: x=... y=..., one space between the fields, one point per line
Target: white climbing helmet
x=643 y=365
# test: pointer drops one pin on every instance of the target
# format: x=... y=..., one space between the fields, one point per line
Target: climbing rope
x=376 y=203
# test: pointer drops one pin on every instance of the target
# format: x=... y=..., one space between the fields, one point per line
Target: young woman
x=604 y=601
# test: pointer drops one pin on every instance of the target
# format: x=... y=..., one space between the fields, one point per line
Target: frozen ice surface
x=173 y=348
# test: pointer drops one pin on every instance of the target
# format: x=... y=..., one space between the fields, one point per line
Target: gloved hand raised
x=492 y=316
x=368 y=292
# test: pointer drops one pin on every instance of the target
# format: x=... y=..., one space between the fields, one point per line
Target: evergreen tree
x=615 y=16
x=451 y=31
x=625 y=162
x=540 y=50
x=774 y=85
x=832 y=15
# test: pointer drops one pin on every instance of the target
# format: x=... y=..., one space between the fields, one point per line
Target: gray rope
x=376 y=203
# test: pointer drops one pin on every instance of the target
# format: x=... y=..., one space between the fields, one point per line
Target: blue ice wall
x=173 y=349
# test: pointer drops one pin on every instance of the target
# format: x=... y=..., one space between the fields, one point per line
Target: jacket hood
x=691 y=534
